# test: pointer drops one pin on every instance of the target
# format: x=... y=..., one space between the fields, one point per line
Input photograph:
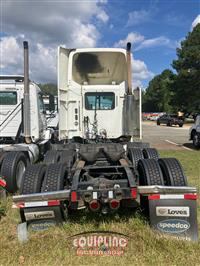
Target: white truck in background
x=24 y=136
x=51 y=114
x=194 y=133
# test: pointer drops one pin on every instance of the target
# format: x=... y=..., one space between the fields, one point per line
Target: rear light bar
x=36 y=204
x=173 y=196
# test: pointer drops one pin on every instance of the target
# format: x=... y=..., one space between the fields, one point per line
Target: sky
x=154 y=27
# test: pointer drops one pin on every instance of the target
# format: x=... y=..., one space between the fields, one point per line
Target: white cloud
x=9 y=51
x=49 y=22
x=140 y=72
x=46 y=24
x=142 y=43
x=103 y=16
x=42 y=63
x=42 y=59
x=84 y=36
x=131 y=37
x=138 y=17
x=158 y=41
x=196 y=21
x=103 y=1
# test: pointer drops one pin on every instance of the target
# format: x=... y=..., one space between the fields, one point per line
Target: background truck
x=51 y=108
x=96 y=164
x=24 y=136
x=194 y=132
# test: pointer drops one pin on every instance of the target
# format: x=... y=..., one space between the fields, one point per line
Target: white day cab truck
x=24 y=136
x=96 y=164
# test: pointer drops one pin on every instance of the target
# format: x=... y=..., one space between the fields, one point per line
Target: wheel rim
x=19 y=173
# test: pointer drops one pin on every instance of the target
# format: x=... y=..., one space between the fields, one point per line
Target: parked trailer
x=24 y=136
x=96 y=165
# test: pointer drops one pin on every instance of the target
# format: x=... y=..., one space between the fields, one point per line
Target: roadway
x=166 y=138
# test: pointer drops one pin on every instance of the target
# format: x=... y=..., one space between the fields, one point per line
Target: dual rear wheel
x=13 y=166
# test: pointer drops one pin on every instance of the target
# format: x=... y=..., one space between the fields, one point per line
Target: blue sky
x=155 y=28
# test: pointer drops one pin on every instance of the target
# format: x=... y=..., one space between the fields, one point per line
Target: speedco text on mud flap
x=173 y=226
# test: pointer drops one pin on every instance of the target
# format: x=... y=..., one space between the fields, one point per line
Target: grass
x=147 y=248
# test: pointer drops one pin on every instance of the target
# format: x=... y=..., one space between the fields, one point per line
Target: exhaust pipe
x=128 y=54
x=27 y=118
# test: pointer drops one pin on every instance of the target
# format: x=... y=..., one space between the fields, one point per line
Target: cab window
x=41 y=104
x=8 y=98
x=99 y=101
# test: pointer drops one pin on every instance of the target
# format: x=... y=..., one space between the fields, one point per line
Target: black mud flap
x=42 y=218
x=175 y=217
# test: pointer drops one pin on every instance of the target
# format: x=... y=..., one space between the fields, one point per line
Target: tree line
x=180 y=91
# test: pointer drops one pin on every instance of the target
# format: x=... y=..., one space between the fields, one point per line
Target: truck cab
x=11 y=110
x=92 y=84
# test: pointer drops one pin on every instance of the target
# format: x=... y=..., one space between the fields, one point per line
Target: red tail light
x=133 y=193
x=114 y=204
x=94 y=205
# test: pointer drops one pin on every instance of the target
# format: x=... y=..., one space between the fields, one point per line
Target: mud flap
x=176 y=218
x=42 y=218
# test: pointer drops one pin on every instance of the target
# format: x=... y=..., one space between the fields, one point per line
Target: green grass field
x=53 y=248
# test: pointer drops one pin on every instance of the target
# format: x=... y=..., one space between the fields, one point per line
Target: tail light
x=94 y=205
x=114 y=204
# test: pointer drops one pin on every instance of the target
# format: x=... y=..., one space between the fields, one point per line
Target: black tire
x=54 y=179
x=150 y=173
x=51 y=157
x=180 y=125
x=135 y=155
x=2 y=155
x=172 y=172
x=151 y=153
x=32 y=179
x=13 y=167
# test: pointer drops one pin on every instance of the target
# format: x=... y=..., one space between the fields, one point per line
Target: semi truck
x=24 y=136
x=99 y=162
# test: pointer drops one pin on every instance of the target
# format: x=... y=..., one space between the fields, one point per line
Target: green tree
x=186 y=86
x=157 y=96
x=48 y=88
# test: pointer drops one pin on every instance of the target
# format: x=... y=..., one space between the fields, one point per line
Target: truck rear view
x=95 y=165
